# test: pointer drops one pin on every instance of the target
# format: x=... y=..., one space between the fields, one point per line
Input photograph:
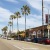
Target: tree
x=5 y=29
x=10 y=24
x=17 y=14
x=25 y=11
x=11 y=18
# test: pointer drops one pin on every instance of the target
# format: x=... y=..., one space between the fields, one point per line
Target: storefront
x=38 y=31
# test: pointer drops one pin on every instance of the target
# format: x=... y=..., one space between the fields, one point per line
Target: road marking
x=31 y=49
x=26 y=48
x=18 y=47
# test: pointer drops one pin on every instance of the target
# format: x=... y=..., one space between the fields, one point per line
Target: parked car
x=27 y=39
x=32 y=39
x=35 y=40
x=4 y=37
x=38 y=40
x=22 y=39
x=43 y=40
x=15 y=38
x=8 y=38
x=46 y=41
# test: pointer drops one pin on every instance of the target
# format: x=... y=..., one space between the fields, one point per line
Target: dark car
x=35 y=40
x=43 y=40
x=22 y=39
x=15 y=38
x=40 y=40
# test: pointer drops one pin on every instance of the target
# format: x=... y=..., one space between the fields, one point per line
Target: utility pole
x=42 y=20
x=48 y=24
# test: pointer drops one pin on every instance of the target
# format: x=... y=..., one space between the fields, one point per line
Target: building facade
x=40 y=31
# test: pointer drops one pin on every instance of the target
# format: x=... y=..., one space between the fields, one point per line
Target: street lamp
x=42 y=13
x=48 y=22
x=42 y=20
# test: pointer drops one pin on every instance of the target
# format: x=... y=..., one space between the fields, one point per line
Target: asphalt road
x=6 y=46
x=21 y=45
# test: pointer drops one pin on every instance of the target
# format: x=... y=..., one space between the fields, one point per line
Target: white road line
x=26 y=48
x=18 y=47
x=30 y=49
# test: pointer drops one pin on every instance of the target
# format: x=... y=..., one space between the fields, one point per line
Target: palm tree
x=11 y=18
x=25 y=11
x=10 y=24
x=17 y=15
x=5 y=29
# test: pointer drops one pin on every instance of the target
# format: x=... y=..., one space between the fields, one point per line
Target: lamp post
x=48 y=23
x=42 y=20
x=42 y=13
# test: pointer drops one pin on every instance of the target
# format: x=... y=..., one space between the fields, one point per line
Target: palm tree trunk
x=5 y=33
x=12 y=25
x=25 y=25
x=17 y=28
x=10 y=29
x=17 y=25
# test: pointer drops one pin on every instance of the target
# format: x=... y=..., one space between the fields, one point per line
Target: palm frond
x=25 y=10
x=17 y=14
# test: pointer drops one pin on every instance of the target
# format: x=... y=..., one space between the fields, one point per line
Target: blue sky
x=8 y=7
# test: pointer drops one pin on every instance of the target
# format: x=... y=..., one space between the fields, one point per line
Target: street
x=21 y=45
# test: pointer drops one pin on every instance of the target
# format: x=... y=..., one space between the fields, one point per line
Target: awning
x=23 y=34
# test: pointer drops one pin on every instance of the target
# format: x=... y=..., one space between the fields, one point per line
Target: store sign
x=47 y=18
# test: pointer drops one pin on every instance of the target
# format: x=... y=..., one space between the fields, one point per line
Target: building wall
x=38 y=31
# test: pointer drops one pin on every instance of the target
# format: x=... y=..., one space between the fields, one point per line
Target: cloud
x=45 y=0
x=32 y=20
x=4 y=14
x=37 y=4
x=4 y=17
x=13 y=1
x=1 y=20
